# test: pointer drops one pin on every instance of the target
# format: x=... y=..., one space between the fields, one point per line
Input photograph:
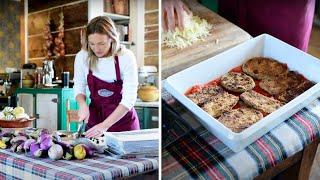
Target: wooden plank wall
x=75 y=17
x=151 y=56
x=10 y=46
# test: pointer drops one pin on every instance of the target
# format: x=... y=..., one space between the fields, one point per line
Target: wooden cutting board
x=223 y=36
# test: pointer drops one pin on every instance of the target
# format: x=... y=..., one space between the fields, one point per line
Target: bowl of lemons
x=15 y=118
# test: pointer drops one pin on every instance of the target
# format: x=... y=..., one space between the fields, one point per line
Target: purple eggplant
x=20 y=148
x=16 y=144
x=89 y=150
x=27 y=144
x=18 y=138
x=44 y=131
x=7 y=133
x=43 y=137
x=46 y=143
x=35 y=150
x=55 y=137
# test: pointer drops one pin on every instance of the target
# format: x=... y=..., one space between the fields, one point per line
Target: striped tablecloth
x=19 y=166
x=195 y=153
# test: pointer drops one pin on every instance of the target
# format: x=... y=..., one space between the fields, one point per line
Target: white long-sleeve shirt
x=105 y=70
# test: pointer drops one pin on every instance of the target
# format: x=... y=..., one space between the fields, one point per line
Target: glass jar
x=38 y=77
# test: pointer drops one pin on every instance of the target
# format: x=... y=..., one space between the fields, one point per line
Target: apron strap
x=117 y=66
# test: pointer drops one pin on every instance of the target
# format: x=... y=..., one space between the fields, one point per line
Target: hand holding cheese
x=172 y=14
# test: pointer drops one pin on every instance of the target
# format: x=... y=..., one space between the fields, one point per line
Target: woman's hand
x=96 y=131
x=84 y=112
x=172 y=14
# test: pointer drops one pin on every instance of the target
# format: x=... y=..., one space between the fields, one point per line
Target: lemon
x=18 y=110
x=19 y=116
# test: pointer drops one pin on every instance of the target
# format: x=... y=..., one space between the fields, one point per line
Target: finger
x=98 y=134
x=180 y=17
x=93 y=132
x=188 y=11
x=164 y=22
x=90 y=133
x=170 y=18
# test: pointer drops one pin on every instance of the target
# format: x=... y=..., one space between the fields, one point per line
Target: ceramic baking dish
x=213 y=68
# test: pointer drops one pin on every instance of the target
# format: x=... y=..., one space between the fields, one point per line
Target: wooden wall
x=151 y=33
x=75 y=17
x=11 y=13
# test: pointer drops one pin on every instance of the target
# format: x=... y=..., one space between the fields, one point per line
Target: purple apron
x=288 y=20
x=105 y=98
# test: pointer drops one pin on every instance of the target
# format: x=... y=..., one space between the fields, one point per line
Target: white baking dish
x=212 y=68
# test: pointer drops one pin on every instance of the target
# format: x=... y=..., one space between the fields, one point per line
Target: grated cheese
x=195 y=29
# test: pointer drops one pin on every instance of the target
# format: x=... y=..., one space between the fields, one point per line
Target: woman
x=110 y=71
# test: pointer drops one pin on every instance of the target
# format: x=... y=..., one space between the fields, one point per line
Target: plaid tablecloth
x=190 y=152
x=19 y=166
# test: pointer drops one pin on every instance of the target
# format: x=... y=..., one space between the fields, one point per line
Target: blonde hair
x=103 y=25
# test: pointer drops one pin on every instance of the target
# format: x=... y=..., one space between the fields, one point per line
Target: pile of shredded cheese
x=195 y=29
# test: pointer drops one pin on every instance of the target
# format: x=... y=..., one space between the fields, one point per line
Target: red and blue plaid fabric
x=190 y=152
x=19 y=166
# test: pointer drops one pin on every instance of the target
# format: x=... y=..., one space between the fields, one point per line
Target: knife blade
x=80 y=129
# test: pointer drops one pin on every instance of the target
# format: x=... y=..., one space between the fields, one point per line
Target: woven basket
x=16 y=123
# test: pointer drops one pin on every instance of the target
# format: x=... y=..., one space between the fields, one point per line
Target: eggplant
x=35 y=149
x=7 y=133
x=35 y=134
x=55 y=152
x=6 y=139
x=44 y=131
x=16 y=144
x=89 y=151
x=46 y=143
x=20 y=148
x=18 y=138
x=27 y=144
x=42 y=137
x=56 y=138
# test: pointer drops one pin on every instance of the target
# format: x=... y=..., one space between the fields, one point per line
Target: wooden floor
x=314 y=49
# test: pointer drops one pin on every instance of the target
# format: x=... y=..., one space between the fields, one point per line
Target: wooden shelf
x=116 y=16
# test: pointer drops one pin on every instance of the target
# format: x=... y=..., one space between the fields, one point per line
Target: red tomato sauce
x=197 y=88
x=193 y=89
x=237 y=69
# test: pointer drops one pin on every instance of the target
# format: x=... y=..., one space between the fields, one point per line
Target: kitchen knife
x=80 y=130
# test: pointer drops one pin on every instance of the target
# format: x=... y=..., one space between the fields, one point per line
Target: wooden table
x=223 y=36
